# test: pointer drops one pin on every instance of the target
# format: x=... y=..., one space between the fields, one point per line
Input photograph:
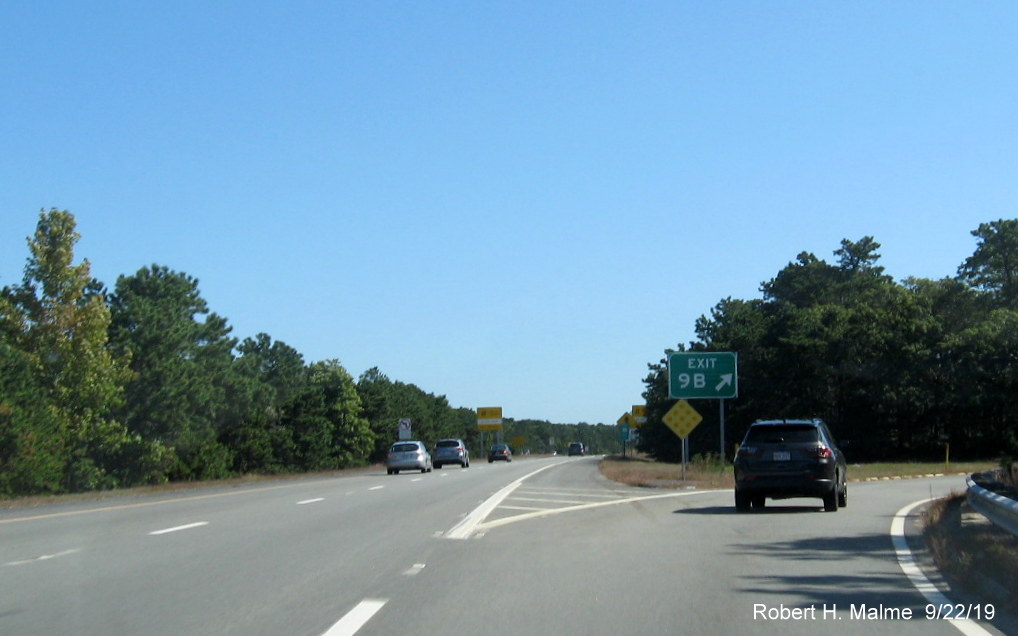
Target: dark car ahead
x=450 y=451
x=500 y=452
x=577 y=448
x=782 y=459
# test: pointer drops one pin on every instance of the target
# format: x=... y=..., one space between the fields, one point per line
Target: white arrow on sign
x=726 y=380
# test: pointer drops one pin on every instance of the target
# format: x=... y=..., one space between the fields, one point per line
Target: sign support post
x=722 y=418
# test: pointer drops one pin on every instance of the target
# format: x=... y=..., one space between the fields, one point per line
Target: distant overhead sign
x=639 y=414
x=489 y=418
x=703 y=375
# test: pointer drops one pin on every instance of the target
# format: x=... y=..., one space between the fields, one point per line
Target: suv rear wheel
x=742 y=501
x=831 y=501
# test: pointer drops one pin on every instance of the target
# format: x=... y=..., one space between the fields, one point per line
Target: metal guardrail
x=1001 y=510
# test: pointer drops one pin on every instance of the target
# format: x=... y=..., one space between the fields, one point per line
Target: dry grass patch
x=973 y=552
x=914 y=469
x=709 y=473
x=640 y=471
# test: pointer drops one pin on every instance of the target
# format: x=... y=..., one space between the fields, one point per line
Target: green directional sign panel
x=703 y=375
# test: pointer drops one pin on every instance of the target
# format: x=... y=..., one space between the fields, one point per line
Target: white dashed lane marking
x=44 y=557
x=188 y=526
x=355 y=618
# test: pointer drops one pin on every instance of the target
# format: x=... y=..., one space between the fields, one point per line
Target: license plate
x=782 y=456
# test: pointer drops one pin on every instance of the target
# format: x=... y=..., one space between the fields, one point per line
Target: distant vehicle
x=500 y=452
x=450 y=451
x=576 y=448
x=781 y=459
x=409 y=455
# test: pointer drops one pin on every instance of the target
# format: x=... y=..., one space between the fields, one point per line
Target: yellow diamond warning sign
x=682 y=419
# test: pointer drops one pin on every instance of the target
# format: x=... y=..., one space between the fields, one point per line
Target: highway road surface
x=538 y=546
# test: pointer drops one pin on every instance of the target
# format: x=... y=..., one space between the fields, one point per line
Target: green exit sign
x=703 y=375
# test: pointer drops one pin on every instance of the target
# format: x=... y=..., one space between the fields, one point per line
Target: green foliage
x=56 y=321
x=182 y=389
x=541 y=436
x=898 y=369
x=993 y=268
x=329 y=429
x=268 y=376
x=146 y=385
x=32 y=448
x=385 y=402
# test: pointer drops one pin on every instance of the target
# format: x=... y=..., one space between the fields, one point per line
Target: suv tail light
x=824 y=453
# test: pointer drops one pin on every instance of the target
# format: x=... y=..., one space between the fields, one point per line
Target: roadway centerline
x=188 y=526
x=310 y=501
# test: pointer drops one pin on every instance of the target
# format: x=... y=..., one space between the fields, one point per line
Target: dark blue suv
x=782 y=459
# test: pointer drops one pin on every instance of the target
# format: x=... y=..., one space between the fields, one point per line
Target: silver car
x=451 y=451
x=408 y=455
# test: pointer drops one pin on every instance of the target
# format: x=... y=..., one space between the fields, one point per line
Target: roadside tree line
x=905 y=370
x=143 y=384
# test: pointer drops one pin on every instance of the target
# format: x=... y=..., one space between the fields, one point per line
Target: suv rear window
x=448 y=443
x=782 y=434
x=404 y=448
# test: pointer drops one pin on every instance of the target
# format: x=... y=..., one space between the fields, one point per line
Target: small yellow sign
x=682 y=419
x=639 y=414
x=627 y=418
x=489 y=418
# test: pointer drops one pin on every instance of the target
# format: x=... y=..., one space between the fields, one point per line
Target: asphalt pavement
x=538 y=546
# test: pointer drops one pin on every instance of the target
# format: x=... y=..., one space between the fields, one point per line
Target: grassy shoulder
x=973 y=553
x=32 y=501
x=703 y=473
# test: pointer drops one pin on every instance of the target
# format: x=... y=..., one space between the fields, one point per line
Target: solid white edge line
x=355 y=618
x=465 y=528
x=916 y=576
x=178 y=528
x=547 y=512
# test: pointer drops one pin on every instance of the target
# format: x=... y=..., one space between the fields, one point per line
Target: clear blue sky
x=514 y=204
